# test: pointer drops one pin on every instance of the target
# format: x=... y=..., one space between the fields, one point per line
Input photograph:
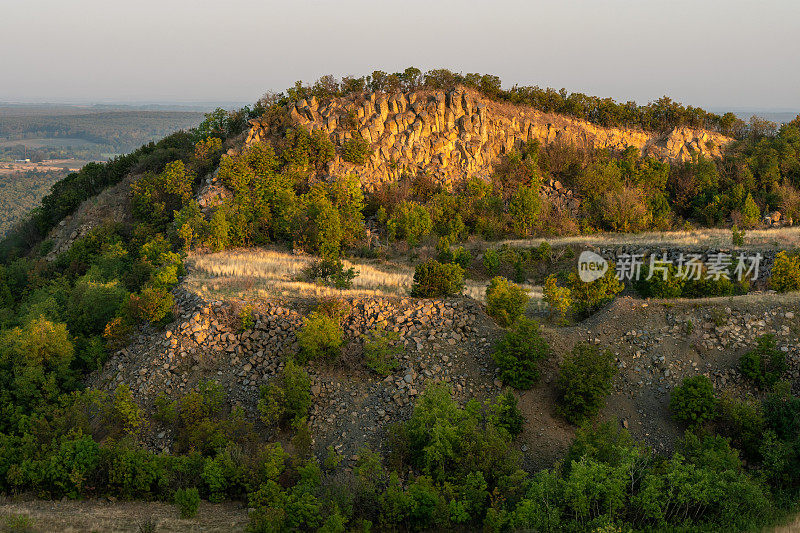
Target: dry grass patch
x=268 y=273
x=781 y=238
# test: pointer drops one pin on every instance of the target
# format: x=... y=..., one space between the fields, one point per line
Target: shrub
x=381 y=349
x=764 y=364
x=448 y=442
x=127 y=410
x=737 y=236
x=505 y=301
x=491 y=261
x=320 y=337
x=151 y=305
x=187 y=501
x=355 y=150
x=518 y=354
x=693 y=402
x=785 y=272
x=584 y=381
x=589 y=297
x=410 y=221
x=332 y=272
x=92 y=304
x=524 y=208
x=246 y=320
x=559 y=299
x=742 y=421
x=508 y=414
x=433 y=279
x=459 y=255
x=660 y=285
x=288 y=398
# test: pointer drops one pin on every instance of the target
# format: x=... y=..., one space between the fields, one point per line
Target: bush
x=332 y=272
x=764 y=364
x=737 y=236
x=410 y=221
x=508 y=414
x=584 y=382
x=491 y=261
x=559 y=299
x=433 y=279
x=693 y=402
x=381 y=349
x=505 y=301
x=151 y=305
x=288 y=398
x=92 y=304
x=590 y=297
x=660 y=285
x=518 y=354
x=524 y=208
x=459 y=255
x=320 y=338
x=246 y=320
x=356 y=150
x=187 y=501
x=785 y=272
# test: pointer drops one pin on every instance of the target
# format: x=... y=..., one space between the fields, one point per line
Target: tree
x=524 y=209
x=785 y=274
x=35 y=361
x=518 y=353
x=693 y=402
x=751 y=215
x=433 y=279
x=410 y=221
x=505 y=301
x=559 y=299
x=584 y=381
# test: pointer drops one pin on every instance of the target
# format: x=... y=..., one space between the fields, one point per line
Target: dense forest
x=22 y=191
x=447 y=465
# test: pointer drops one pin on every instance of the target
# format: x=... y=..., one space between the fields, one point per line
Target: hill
x=363 y=303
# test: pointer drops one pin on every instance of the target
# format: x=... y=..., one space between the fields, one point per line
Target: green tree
x=693 y=402
x=505 y=301
x=524 y=209
x=785 y=276
x=35 y=361
x=584 y=381
x=410 y=221
x=518 y=353
x=751 y=214
x=320 y=337
x=433 y=279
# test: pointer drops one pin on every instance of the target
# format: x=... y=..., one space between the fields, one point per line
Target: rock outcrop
x=458 y=134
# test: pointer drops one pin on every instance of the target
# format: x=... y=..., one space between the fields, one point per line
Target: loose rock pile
x=443 y=341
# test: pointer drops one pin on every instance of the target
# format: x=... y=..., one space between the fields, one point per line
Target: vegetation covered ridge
x=445 y=464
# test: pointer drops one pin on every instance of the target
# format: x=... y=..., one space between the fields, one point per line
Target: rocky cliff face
x=460 y=134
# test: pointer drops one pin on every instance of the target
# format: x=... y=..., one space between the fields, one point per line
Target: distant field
x=66 y=142
x=86 y=132
x=70 y=136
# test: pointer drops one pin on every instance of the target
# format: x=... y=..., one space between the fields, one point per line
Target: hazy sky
x=709 y=53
